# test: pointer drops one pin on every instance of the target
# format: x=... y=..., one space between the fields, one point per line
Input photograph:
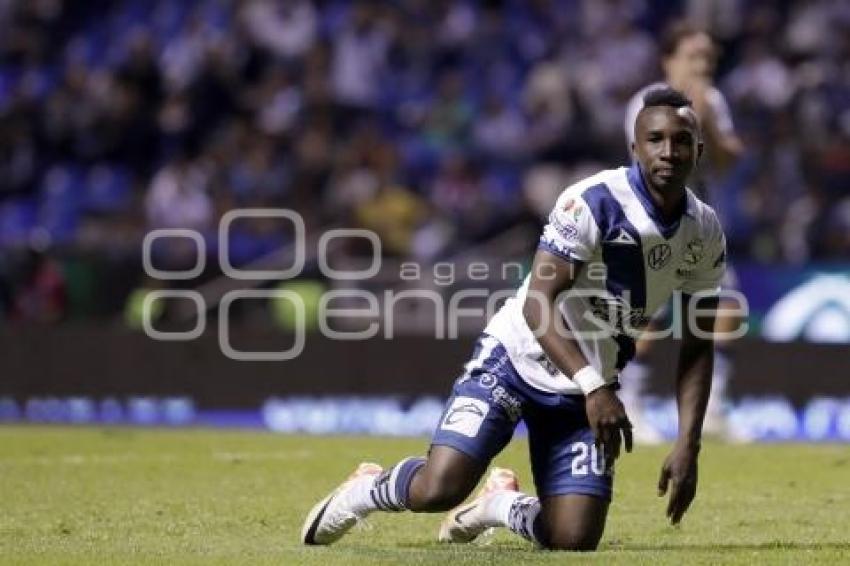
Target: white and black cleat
x=332 y=517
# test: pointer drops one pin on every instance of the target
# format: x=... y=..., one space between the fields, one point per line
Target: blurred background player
x=688 y=60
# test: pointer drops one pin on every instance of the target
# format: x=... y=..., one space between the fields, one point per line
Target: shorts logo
x=465 y=416
x=659 y=256
x=508 y=402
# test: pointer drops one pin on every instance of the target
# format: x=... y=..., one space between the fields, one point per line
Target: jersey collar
x=666 y=228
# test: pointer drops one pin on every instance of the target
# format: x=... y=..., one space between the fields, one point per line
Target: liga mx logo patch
x=465 y=416
x=659 y=256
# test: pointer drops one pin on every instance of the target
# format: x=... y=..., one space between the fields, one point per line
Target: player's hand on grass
x=608 y=420
x=679 y=477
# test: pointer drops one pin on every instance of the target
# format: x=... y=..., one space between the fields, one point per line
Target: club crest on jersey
x=659 y=256
x=694 y=252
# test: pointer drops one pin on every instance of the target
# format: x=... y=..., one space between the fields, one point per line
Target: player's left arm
x=693 y=386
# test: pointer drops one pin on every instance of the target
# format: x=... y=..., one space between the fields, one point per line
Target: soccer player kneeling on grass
x=617 y=246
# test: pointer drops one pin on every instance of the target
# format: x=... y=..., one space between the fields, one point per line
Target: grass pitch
x=126 y=496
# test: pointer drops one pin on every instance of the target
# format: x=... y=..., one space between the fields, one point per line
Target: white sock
x=387 y=491
x=360 y=498
x=515 y=511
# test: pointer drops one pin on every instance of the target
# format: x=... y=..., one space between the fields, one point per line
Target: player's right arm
x=568 y=241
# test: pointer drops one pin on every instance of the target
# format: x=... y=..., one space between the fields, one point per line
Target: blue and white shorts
x=490 y=399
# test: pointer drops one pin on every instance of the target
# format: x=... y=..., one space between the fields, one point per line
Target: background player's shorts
x=486 y=405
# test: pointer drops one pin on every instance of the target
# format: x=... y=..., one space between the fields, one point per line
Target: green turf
x=120 y=496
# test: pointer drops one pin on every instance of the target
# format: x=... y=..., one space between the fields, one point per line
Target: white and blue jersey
x=633 y=261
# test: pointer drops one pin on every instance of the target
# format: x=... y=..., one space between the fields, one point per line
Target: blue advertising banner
x=791 y=303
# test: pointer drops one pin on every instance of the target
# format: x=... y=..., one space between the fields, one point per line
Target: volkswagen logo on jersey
x=659 y=256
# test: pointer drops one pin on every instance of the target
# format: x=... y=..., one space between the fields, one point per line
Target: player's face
x=667 y=146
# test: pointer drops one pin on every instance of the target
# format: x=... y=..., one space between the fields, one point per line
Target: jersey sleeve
x=709 y=262
x=571 y=232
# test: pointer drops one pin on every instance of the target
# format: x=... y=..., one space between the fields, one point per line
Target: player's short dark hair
x=675 y=33
x=666 y=96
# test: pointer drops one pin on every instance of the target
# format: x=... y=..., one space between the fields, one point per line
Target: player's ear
x=633 y=149
x=700 y=148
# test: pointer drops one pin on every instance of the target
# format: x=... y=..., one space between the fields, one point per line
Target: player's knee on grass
x=569 y=540
x=445 y=481
x=572 y=522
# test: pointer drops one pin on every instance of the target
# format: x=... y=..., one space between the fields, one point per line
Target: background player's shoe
x=468 y=521
x=334 y=515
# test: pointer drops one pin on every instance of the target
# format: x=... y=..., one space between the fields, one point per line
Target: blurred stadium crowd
x=435 y=123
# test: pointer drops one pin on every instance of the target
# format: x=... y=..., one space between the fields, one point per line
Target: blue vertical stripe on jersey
x=666 y=228
x=624 y=262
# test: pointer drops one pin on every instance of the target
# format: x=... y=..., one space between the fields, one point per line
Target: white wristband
x=588 y=379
